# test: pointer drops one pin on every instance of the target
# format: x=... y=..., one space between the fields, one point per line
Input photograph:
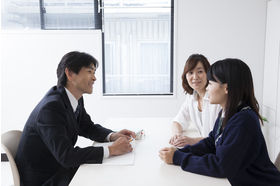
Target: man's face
x=84 y=80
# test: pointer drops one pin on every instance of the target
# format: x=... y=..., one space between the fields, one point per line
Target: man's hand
x=166 y=154
x=120 y=146
x=123 y=133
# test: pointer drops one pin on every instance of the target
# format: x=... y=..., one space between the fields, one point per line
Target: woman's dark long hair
x=240 y=85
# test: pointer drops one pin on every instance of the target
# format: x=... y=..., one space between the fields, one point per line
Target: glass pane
x=20 y=14
x=58 y=14
x=71 y=14
x=137 y=44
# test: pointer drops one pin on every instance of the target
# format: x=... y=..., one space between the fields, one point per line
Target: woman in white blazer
x=196 y=109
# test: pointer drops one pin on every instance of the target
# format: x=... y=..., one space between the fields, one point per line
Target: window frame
x=172 y=93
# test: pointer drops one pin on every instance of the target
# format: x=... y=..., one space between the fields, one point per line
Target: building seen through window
x=138 y=47
x=137 y=37
x=50 y=14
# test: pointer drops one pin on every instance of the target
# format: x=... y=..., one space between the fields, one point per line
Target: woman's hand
x=185 y=140
x=166 y=154
x=174 y=138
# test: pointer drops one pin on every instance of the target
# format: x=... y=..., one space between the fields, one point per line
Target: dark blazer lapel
x=69 y=109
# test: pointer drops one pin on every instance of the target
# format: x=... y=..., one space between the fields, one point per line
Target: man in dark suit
x=47 y=154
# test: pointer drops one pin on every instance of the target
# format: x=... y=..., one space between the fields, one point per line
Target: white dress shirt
x=74 y=104
x=204 y=121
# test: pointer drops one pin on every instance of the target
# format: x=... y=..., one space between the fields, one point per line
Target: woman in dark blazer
x=235 y=149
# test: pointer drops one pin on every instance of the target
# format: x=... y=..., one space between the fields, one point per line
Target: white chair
x=277 y=162
x=9 y=142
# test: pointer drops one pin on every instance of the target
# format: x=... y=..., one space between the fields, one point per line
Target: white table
x=148 y=169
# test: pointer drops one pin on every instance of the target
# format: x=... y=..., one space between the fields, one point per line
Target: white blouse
x=204 y=121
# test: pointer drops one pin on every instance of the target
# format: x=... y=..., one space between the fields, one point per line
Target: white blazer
x=189 y=113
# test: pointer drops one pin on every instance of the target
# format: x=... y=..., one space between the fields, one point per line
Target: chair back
x=9 y=142
x=277 y=162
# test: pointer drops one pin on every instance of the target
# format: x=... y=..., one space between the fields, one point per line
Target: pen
x=131 y=139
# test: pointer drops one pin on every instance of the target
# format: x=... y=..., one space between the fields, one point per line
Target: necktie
x=77 y=111
x=219 y=127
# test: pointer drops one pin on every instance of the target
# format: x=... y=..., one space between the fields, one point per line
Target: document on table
x=125 y=159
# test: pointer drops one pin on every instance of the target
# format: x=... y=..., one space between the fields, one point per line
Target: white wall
x=271 y=87
x=216 y=28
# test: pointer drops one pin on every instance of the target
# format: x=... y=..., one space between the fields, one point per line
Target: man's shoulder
x=56 y=90
x=55 y=94
x=52 y=101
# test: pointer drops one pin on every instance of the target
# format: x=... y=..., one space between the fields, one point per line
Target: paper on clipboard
x=125 y=159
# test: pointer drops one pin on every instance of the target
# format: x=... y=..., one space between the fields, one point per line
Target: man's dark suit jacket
x=46 y=154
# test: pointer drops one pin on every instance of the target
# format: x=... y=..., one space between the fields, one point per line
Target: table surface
x=148 y=169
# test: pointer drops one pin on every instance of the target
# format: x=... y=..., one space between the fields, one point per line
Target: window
x=137 y=37
x=70 y=14
x=20 y=14
x=138 y=47
x=50 y=14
